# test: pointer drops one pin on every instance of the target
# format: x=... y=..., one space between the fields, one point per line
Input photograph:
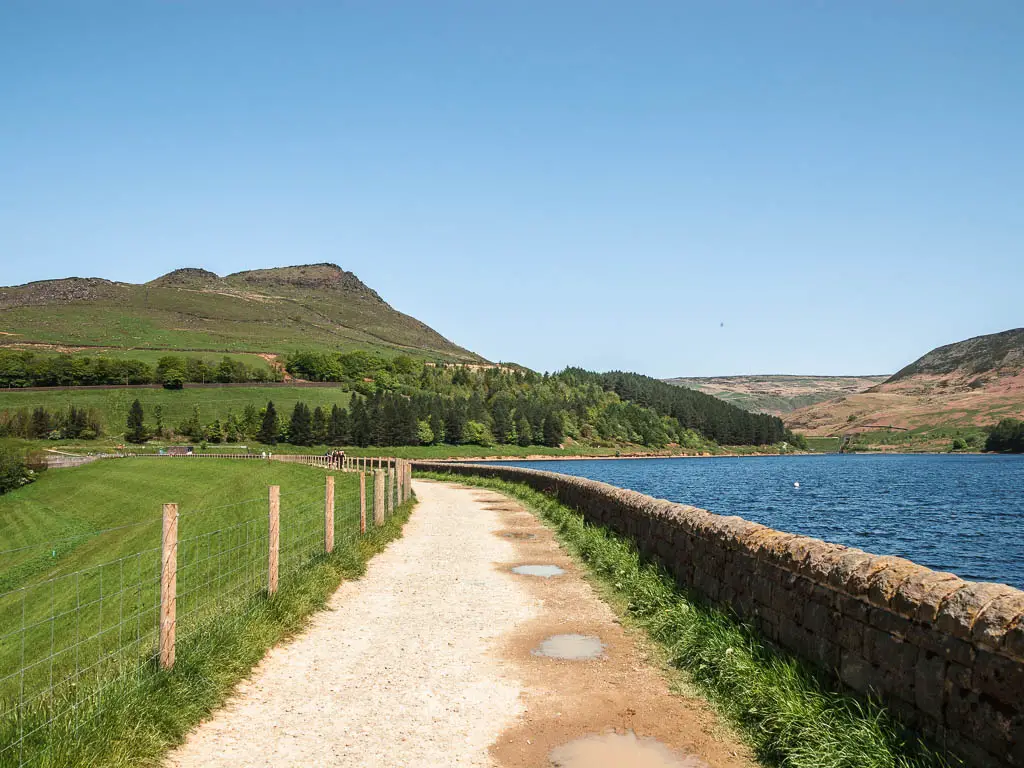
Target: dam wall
x=944 y=654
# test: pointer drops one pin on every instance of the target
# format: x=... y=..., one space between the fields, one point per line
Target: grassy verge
x=141 y=712
x=788 y=713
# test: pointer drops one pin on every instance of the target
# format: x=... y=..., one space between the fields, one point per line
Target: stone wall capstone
x=946 y=655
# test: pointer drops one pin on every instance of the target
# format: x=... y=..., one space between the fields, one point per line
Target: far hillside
x=955 y=391
x=269 y=311
x=777 y=395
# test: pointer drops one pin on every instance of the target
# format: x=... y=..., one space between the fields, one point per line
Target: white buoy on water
x=796 y=485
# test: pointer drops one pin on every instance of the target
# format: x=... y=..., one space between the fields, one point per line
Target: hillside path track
x=426 y=661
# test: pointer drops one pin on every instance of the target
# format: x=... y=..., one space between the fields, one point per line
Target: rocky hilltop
x=313 y=306
x=975 y=362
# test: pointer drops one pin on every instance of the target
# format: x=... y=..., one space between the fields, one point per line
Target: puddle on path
x=518 y=535
x=571 y=647
x=544 y=571
x=614 y=750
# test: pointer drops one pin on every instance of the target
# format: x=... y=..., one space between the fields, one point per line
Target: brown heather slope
x=316 y=306
x=777 y=395
x=970 y=383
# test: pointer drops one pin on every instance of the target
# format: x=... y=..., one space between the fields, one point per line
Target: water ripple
x=963 y=514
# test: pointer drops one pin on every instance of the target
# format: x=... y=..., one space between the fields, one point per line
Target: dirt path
x=429 y=661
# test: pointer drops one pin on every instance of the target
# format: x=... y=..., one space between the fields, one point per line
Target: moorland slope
x=777 y=395
x=965 y=385
x=316 y=306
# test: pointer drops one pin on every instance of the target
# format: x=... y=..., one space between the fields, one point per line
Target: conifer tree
x=524 y=435
x=338 y=429
x=553 y=430
x=136 y=432
x=300 y=430
x=269 y=430
x=320 y=426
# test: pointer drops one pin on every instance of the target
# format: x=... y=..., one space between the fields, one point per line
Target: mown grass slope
x=77 y=639
x=79 y=551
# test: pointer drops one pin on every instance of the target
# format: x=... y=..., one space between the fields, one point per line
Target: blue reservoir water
x=963 y=514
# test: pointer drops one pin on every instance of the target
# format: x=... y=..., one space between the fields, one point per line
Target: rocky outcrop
x=317 y=277
x=65 y=291
x=945 y=654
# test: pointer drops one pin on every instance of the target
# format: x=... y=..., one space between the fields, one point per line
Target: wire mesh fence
x=67 y=639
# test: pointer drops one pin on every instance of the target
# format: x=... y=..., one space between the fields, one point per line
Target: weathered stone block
x=823 y=652
x=845 y=565
x=932 y=639
x=1013 y=640
x=796 y=551
x=864 y=574
x=820 y=560
x=974 y=715
x=995 y=620
x=958 y=611
x=886 y=620
x=998 y=677
x=930 y=683
x=817 y=618
x=957 y=676
x=883 y=585
x=850 y=635
x=859 y=674
x=892 y=653
x=761 y=589
x=858 y=610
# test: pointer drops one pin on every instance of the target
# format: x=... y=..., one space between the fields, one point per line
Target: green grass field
x=80 y=566
x=823 y=444
x=90 y=537
x=214 y=403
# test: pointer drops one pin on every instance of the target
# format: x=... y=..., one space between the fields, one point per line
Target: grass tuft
x=789 y=714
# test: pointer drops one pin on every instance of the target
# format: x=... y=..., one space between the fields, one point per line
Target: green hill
x=318 y=306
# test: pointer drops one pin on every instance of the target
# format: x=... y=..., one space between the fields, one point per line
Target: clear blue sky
x=841 y=183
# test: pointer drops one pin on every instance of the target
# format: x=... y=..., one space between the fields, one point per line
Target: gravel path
x=402 y=668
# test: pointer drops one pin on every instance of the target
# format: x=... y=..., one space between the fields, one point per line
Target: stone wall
x=946 y=655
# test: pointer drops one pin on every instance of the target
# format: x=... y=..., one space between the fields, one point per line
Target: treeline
x=667 y=412
x=1006 y=437
x=29 y=369
x=393 y=419
x=714 y=418
x=71 y=423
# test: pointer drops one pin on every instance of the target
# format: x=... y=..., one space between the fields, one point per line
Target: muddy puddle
x=615 y=750
x=571 y=647
x=543 y=571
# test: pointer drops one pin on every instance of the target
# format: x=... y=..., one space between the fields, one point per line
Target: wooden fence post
x=168 y=585
x=408 y=474
x=273 y=538
x=378 y=497
x=389 y=499
x=392 y=485
x=362 y=502
x=400 y=474
x=329 y=516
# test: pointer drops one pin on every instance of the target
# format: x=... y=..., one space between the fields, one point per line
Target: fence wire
x=68 y=639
